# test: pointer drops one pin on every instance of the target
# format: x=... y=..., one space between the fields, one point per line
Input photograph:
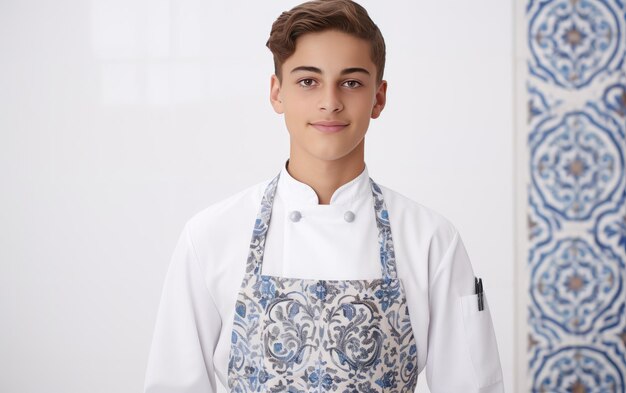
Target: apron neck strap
x=385 y=240
x=254 y=264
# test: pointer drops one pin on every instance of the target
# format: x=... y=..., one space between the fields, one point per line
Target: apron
x=306 y=335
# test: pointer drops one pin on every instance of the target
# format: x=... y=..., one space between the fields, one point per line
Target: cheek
x=297 y=106
x=365 y=106
x=365 y=100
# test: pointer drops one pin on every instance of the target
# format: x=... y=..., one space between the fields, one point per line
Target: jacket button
x=348 y=216
x=295 y=216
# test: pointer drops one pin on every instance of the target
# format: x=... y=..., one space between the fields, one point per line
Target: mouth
x=329 y=126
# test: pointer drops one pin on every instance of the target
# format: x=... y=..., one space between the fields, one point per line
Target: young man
x=320 y=279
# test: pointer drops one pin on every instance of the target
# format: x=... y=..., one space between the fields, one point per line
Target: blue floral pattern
x=575 y=78
x=307 y=335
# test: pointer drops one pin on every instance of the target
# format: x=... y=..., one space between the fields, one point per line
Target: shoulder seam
x=440 y=269
x=197 y=263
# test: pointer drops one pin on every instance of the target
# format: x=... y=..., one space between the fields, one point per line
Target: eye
x=308 y=82
x=353 y=84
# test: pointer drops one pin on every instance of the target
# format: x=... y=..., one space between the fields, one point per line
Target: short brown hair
x=318 y=15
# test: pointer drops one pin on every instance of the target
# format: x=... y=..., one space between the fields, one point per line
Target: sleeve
x=462 y=350
x=186 y=330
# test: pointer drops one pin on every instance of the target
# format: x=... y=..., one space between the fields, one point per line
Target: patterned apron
x=306 y=335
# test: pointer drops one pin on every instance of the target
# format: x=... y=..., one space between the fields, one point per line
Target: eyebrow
x=343 y=72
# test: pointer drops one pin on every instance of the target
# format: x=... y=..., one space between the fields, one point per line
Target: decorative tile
x=576 y=195
x=573 y=41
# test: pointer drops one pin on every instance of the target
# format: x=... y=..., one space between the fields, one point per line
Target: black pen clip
x=478 y=287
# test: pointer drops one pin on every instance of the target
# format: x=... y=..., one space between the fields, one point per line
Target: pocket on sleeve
x=481 y=340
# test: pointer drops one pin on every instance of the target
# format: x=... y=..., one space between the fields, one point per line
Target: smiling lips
x=329 y=126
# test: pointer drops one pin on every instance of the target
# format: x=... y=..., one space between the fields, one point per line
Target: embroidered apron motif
x=305 y=335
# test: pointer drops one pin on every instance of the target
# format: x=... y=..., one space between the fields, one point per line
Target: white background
x=120 y=119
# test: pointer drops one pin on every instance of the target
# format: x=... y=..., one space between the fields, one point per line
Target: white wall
x=119 y=119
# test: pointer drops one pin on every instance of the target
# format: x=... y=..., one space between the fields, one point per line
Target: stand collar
x=295 y=192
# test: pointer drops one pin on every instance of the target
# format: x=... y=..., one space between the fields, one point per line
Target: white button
x=348 y=216
x=295 y=216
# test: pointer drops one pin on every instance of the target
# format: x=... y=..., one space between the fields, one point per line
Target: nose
x=330 y=100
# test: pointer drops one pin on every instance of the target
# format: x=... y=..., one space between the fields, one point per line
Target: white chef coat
x=192 y=337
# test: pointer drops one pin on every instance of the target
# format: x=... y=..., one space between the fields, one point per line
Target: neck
x=325 y=176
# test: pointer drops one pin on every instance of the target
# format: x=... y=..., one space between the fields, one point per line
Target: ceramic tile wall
x=575 y=97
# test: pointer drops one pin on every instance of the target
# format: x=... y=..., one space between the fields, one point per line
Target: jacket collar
x=295 y=192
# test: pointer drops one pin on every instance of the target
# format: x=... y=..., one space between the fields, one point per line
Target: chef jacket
x=338 y=241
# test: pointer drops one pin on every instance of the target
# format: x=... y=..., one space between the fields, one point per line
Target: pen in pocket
x=478 y=287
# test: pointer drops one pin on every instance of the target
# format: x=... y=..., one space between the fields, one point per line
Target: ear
x=381 y=99
x=275 y=95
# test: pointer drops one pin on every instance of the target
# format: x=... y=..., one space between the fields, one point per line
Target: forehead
x=330 y=50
